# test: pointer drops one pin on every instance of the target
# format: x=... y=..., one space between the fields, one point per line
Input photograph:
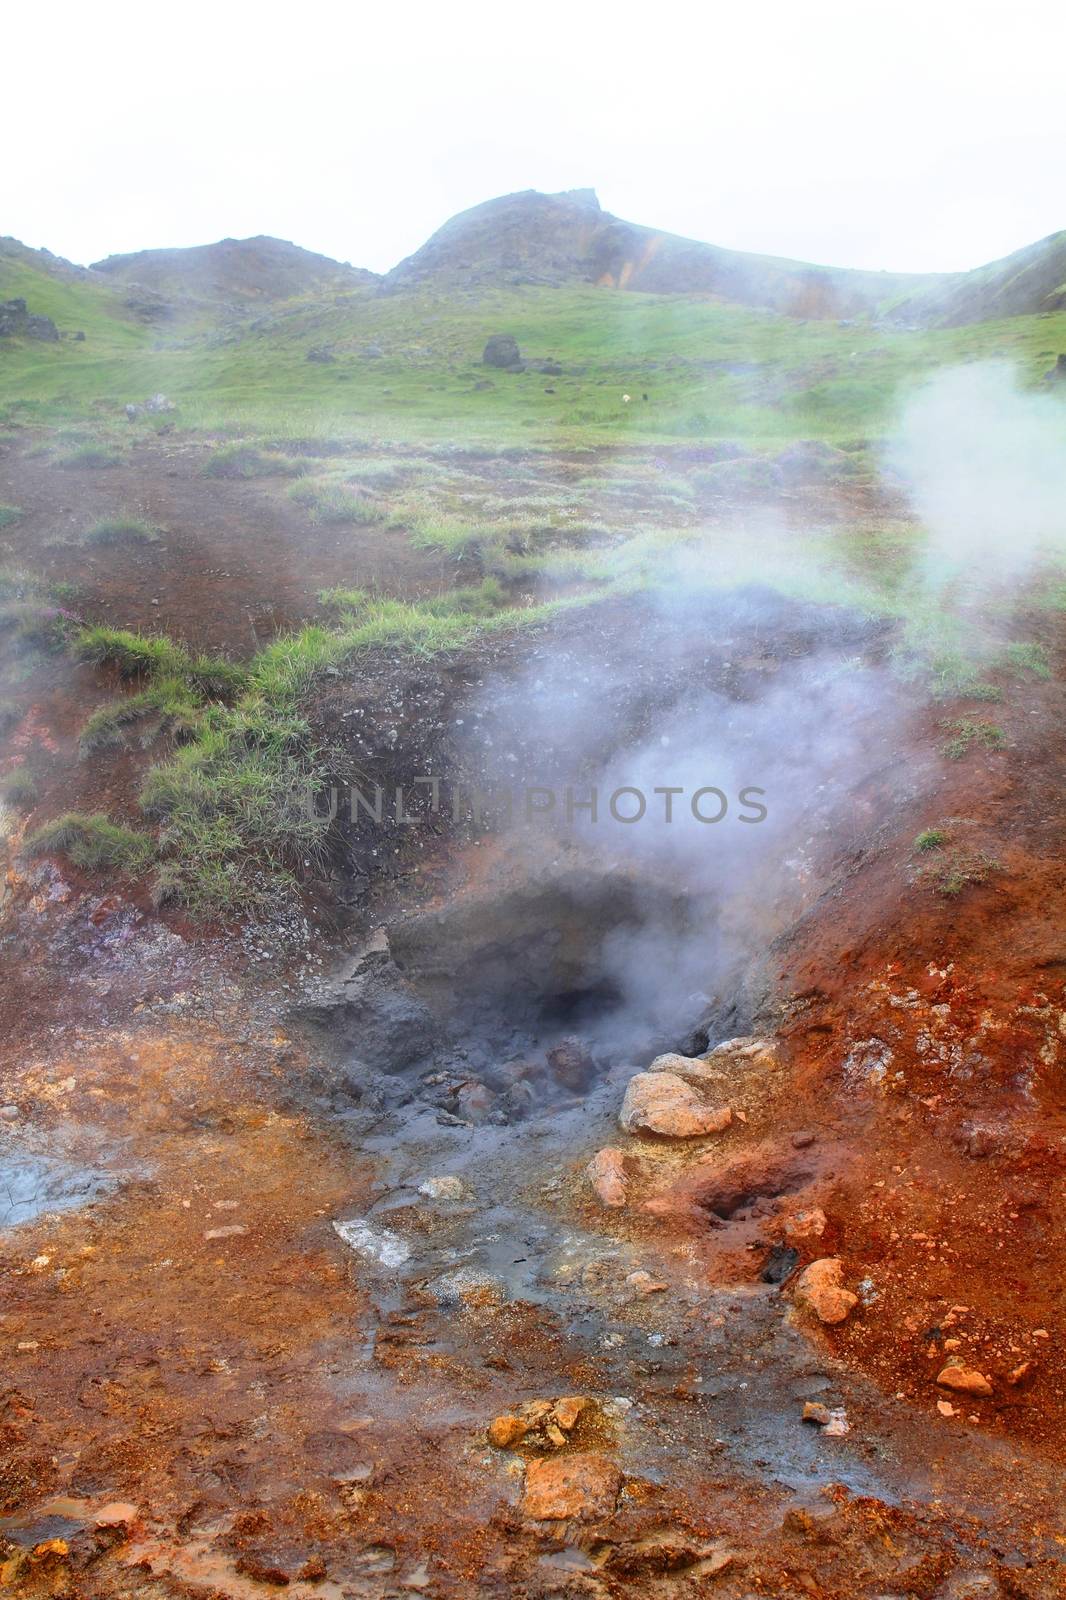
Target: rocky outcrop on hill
x=532 y=238
x=17 y=321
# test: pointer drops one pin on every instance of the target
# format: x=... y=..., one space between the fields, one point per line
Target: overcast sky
x=907 y=135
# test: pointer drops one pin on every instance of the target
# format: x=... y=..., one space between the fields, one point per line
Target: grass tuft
x=93 y=843
x=121 y=530
x=8 y=515
x=248 y=461
x=968 y=734
x=18 y=788
x=90 y=455
x=336 y=502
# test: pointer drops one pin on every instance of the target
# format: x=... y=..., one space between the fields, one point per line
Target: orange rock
x=664 y=1104
x=568 y=1409
x=571 y=1488
x=820 y=1290
x=606 y=1172
x=964 y=1380
x=506 y=1431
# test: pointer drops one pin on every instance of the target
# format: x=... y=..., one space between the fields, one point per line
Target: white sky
x=853 y=132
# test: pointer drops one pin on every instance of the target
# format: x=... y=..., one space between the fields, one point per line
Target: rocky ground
x=396 y=1260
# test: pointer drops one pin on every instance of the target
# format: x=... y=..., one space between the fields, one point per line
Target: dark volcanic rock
x=15 y=320
x=502 y=351
x=373 y=1018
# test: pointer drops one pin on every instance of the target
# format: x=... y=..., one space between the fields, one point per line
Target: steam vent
x=532 y=984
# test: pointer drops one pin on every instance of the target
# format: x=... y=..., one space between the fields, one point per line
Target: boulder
x=693 y=1068
x=664 y=1104
x=576 y=1487
x=606 y=1174
x=964 y=1380
x=501 y=350
x=571 y=1064
x=820 y=1290
x=16 y=321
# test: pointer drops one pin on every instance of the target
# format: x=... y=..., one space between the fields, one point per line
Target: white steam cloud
x=984 y=466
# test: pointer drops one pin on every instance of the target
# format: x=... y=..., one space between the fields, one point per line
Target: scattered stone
x=378 y=1245
x=155 y=405
x=506 y=1431
x=1020 y=1374
x=810 y=1224
x=644 y=1283
x=445 y=1188
x=748 y=1049
x=820 y=1290
x=606 y=1173
x=693 y=1068
x=9 y=1113
x=568 y=1409
x=233 y=1231
x=663 y=1104
x=964 y=1380
x=803 y=1139
x=578 y=1487
x=781 y=1263
x=946 y=1408
x=814 y=1411
x=571 y=1064
x=542 y=1424
x=261 y=1569
x=321 y=352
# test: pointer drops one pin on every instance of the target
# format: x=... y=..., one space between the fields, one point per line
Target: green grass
x=121 y=530
x=93 y=843
x=169 y=706
x=248 y=461
x=1027 y=660
x=18 y=788
x=137 y=655
x=8 y=515
x=962 y=870
x=90 y=455
x=931 y=839
x=337 y=502
x=711 y=370
x=968 y=734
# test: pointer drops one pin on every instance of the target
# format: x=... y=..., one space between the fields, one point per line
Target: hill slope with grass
x=568 y=238
x=76 y=299
x=1031 y=281
x=234 y=271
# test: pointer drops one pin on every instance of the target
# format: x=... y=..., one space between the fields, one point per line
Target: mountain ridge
x=537 y=239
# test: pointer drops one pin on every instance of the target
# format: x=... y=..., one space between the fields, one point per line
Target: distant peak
x=581 y=197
